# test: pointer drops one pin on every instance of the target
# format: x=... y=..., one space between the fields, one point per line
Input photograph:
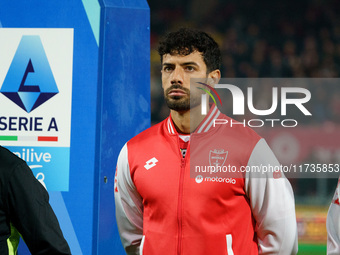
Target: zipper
x=179 y=212
x=180 y=198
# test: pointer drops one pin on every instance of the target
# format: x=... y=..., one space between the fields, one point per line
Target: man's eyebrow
x=189 y=64
x=182 y=64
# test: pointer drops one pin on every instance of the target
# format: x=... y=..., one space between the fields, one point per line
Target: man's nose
x=177 y=76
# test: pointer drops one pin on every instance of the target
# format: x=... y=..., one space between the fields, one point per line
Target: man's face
x=177 y=70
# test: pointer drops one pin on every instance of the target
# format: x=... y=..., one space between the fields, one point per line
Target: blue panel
x=79 y=201
x=107 y=109
x=130 y=4
x=125 y=102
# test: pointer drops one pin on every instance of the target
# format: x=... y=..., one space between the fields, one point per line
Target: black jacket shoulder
x=8 y=161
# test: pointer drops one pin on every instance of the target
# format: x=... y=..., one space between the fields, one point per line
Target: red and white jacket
x=333 y=224
x=164 y=207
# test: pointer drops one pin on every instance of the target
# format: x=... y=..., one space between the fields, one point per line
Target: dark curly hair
x=187 y=40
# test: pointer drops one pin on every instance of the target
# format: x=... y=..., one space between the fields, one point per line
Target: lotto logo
x=150 y=163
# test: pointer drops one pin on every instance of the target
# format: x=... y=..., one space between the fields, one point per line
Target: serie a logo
x=29 y=81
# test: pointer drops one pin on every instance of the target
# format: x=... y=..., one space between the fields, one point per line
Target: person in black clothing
x=25 y=209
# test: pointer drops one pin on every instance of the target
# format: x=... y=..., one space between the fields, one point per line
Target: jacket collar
x=205 y=125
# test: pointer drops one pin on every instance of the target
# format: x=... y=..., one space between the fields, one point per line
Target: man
x=160 y=209
x=24 y=209
x=333 y=224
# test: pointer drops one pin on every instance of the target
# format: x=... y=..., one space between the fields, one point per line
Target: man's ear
x=214 y=77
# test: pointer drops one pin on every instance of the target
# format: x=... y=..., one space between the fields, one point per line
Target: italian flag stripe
x=29 y=138
x=47 y=138
x=8 y=138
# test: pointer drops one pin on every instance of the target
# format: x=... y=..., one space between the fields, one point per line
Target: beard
x=180 y=103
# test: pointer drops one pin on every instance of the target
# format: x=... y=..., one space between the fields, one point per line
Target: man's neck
x=182 y=120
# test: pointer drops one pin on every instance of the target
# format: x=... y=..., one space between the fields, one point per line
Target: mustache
x=177 y=86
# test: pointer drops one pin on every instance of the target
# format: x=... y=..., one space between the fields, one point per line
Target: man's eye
x=190 y=68
x=167 y=69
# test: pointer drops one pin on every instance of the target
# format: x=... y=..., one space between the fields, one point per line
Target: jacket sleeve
x=272 y=203
x=129 y=206
x=32 y=215
x=333 y=225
